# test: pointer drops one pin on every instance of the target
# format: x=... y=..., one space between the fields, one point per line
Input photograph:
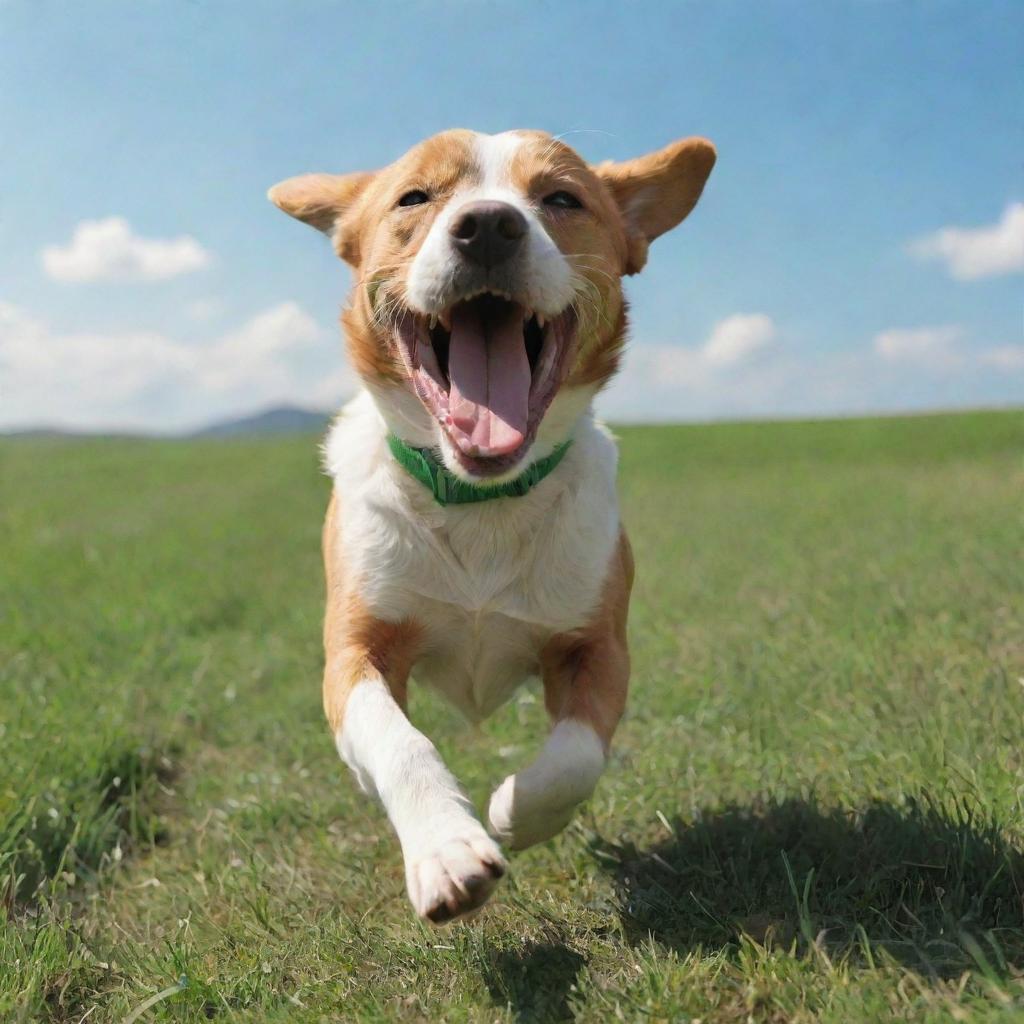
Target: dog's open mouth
x=487 y=369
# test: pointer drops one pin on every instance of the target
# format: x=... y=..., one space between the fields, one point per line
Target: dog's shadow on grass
x=940 y=892
x=536 y=982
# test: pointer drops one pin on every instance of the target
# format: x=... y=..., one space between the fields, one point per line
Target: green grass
x=815 y=809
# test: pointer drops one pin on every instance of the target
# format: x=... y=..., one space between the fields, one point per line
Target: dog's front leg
x=451 y=864
x=586 y=676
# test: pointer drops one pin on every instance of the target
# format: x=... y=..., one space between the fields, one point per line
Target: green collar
x=448 y=489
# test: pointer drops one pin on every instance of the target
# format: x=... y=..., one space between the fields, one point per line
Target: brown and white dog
x=487 y=312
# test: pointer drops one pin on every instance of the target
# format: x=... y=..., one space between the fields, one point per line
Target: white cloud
x=663 y=380
x=942 y=351
x=147 y=380
x=257 y=350
x=109 y=250
x=971 y=253
x=901 y=369
x=734 y=341
x=738 y=337
x=1004 y=357
x=929 y=346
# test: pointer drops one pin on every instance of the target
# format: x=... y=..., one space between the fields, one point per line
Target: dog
x=473 y=539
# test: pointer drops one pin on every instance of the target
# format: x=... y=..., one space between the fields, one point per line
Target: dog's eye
x=414 y=198
x=563 y=201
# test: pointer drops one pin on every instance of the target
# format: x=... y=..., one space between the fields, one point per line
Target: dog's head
x=488 y=305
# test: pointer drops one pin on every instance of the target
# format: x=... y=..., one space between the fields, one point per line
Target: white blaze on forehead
x=542 y=277
x=494 y=156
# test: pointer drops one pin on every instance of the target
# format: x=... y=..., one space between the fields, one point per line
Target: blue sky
x=859 y=246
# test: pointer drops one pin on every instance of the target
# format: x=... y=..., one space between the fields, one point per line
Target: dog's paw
x=455 y=876
x=538 y=802
x=521 y=819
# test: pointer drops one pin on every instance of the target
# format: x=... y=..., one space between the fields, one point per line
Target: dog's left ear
x=655 y=192
x=323 y=201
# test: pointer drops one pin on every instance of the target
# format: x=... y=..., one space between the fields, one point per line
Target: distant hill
x=61 y=433
x=285 y=419
x=37 y=432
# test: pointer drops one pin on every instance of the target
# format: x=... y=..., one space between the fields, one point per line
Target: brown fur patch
x=357 y=645
x=586 y=671
x=593 y=241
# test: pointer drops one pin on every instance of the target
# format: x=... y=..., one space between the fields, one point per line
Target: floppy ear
x=322 y=201
x=655 y=192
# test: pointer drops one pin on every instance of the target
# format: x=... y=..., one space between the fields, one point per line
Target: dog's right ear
x=323 y=201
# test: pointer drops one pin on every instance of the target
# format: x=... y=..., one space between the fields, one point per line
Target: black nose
x=488 y=232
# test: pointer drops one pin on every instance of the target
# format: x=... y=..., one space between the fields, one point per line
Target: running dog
x=473 y=537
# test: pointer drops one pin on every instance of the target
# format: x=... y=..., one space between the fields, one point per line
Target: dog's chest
x=489 y=583
x=489 y=588
x=477 y=659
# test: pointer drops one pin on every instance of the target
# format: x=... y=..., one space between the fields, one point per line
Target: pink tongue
x=490 y=373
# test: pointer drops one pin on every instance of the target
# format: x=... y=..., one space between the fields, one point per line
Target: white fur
x=449 y=859
x=537 y=802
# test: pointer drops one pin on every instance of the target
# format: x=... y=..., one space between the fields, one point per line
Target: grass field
x=815 y=809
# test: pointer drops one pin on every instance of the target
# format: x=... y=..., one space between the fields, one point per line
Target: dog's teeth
x=541 y=320
x=446 y=320
x=433 y=320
